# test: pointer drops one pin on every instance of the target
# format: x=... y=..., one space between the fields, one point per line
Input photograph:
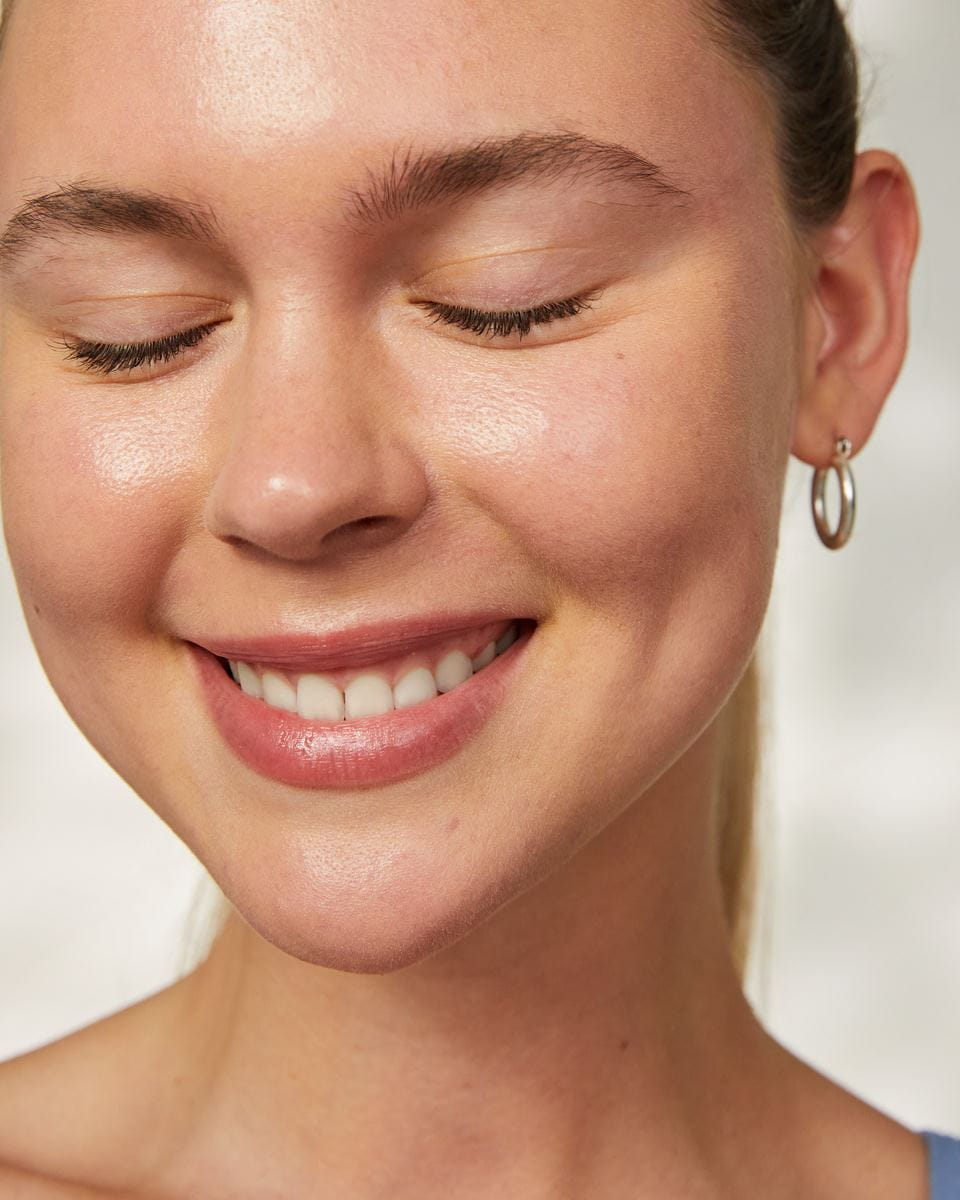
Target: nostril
x=361 y=526
x=362 y=535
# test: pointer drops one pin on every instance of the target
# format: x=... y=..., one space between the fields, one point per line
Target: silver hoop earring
x=848 y=497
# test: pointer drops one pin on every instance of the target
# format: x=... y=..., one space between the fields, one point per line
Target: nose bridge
x=310 y=445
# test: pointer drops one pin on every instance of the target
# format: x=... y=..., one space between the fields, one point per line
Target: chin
x=372 y=930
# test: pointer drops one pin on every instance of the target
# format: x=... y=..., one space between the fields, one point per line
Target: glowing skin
x=524 y=944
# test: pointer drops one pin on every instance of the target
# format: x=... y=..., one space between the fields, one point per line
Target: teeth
x=368 y=696
x=507 y=639
x=318 y=698
x=249 y=680
x=415 y=687
x=452 y=670
x=278 y=692
x=486 y=655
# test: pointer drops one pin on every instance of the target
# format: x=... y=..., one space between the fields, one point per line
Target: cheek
x=638 y=463
x=92 y=494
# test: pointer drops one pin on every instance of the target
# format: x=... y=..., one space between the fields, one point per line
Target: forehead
x=238 y=98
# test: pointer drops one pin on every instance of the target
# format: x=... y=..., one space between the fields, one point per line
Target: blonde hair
x=736 y=811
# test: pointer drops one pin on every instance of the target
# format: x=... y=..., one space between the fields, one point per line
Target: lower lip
x=374 y=750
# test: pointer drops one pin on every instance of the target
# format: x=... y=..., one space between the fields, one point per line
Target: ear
x=855 y=317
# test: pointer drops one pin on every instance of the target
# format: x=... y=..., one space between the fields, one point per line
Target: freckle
x=36 y=609
x=621 y=355
x=624 y=1044
x=452 y=824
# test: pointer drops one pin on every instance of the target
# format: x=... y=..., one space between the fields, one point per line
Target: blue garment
x=944 y=1158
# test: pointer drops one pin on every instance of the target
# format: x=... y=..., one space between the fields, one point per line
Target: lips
x=367 y=752
x=346 y=648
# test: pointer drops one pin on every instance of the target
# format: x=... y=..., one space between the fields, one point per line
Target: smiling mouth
x=352 y=694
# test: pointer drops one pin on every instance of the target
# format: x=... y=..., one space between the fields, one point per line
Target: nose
x=313 y=455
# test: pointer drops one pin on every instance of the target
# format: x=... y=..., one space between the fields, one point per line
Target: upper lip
x=344 y=648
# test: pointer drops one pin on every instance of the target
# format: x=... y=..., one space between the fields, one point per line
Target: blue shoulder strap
x=944 y=1158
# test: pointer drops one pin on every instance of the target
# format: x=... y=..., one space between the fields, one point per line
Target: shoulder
x=850 y=1147
x=74 y=1114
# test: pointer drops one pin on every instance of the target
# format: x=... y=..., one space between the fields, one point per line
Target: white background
x=858 y=962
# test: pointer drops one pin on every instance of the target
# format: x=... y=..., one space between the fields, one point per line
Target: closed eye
x=107 y=358
x=506 y=322
x=104 y=358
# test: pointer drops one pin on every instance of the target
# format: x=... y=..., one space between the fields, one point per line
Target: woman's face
x=339 y=452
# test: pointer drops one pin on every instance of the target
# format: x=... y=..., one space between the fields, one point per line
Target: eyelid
x=123 y=358
x=510 y=322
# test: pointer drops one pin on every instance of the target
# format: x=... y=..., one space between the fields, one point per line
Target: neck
x=594 y=1027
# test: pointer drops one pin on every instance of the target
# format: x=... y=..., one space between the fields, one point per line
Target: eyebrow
x=418 y=180
x=87 y=207
x=411 y=180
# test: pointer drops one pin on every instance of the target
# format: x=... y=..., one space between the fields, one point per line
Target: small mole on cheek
x=36 y=609
x=624 y=1044
x=452 y=824
x=621 y=355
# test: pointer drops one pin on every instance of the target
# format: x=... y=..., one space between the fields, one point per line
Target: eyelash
x=105 y=358
x=508 y=321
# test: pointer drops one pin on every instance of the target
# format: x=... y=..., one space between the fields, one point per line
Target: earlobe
x=856 y=320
